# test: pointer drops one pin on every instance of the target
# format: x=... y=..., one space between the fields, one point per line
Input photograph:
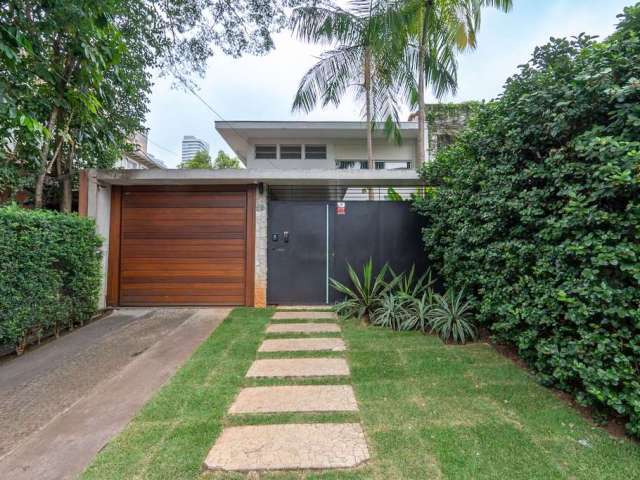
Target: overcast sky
x=262 y=88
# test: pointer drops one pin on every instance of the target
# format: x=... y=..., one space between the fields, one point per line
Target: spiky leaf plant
x=450 y=317
x=361 y=300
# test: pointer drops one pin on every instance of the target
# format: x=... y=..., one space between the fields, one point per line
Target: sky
x=263 y=87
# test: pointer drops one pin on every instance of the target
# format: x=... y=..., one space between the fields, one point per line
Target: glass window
x=291 y=152
x=315 y=152
x=351 y=165
x=268 y=152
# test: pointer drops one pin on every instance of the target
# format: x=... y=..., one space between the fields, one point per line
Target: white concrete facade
x=345 y=144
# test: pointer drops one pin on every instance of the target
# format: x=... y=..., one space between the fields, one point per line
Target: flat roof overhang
x=351 y=178
x=240 y=134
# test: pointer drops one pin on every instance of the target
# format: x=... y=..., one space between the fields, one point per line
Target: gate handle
x=285 y=237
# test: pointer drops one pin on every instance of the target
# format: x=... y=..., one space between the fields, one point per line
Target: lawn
x=428 y=410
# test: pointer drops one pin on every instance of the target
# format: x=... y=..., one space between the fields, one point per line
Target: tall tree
x=201 y=160
x=440 y=27
x=75 y=74
x=357 y=60
x=224 y=161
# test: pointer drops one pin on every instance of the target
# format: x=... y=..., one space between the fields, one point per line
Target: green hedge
x=49 y=273
x=536 y=214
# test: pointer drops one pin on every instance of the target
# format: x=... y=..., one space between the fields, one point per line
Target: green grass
x=428 y=410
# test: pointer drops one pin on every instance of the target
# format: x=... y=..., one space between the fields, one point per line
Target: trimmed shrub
x=536 y=212
x=49 y=273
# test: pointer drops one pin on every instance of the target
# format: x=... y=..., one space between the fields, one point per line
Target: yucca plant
x=449 y=317
x=411 y=286
x=361 y=300
x=418 y=311
x=393 y=312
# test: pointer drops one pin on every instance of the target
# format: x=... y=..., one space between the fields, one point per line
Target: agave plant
x=449 y=317
x=412 y=287
x=361 y=300
x=419 y=310
x=393 y=312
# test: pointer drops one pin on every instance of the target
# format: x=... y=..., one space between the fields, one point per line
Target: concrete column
x=260 y=293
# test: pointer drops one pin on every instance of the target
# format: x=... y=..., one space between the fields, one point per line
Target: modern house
x=273 y=233
x=192 y=145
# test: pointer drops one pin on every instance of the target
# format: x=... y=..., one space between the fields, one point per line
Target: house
x=138 y=158
x=273 y=233
x=316 y=145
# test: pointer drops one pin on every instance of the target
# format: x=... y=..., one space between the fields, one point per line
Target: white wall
x=339 y=149
x=382 y=150
x=99 y=208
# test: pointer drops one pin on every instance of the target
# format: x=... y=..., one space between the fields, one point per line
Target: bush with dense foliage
x=536 y=213
x=49 y=273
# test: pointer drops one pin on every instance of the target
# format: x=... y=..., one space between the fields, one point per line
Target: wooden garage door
x=184 y=246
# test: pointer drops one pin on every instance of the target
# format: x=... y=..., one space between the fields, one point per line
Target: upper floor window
x=351 y=165
x=266 y=152
x=291 y=152
x=315 y=152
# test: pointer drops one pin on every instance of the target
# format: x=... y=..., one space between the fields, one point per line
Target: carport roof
x=254 y=176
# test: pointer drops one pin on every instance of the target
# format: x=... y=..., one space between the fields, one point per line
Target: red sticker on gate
x=341 y=208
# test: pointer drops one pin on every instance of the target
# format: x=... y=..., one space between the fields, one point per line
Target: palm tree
x=359 y=58
x=440 y=27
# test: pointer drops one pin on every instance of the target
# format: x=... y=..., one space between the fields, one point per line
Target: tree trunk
x=367 y=92
x=44 y=156
x=67 y=190
x=422 y=52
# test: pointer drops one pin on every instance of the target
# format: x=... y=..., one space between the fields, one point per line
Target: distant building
x=192 y=145
x=138 y=158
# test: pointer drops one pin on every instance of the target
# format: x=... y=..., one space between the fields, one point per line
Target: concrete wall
x=382 y=150
x=343 y=149
x=99 y=208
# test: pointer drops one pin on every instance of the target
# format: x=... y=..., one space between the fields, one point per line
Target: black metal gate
x=310 y=242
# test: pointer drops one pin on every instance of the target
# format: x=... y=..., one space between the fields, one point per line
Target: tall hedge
x=49 y=273
x=536 y=214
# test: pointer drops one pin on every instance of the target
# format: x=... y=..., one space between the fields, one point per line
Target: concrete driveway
x=61 y=403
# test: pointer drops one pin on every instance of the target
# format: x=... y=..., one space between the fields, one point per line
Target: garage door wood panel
x=184 y=246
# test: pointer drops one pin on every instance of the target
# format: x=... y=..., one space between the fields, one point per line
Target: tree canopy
x=535 y=213
x=75 y=75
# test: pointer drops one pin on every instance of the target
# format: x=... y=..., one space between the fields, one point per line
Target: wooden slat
x=185 y=213
x=196 y=289
x=199 y=248
x=218 y=266
x=249 y=298
x=184 y=200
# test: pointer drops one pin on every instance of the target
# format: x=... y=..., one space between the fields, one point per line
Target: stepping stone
x=302 y=327
x=299 y=398
x=288 y=447
x=302 y=345
x=302 y=315
x=299 y=367
x=302 y=308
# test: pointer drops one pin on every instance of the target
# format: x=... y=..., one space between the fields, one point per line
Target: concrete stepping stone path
x=303 y=345
x=303 y=328
x=302 y=315
x=289 y=446
x=298 y=367
x=295 y=398
x=293 y=446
